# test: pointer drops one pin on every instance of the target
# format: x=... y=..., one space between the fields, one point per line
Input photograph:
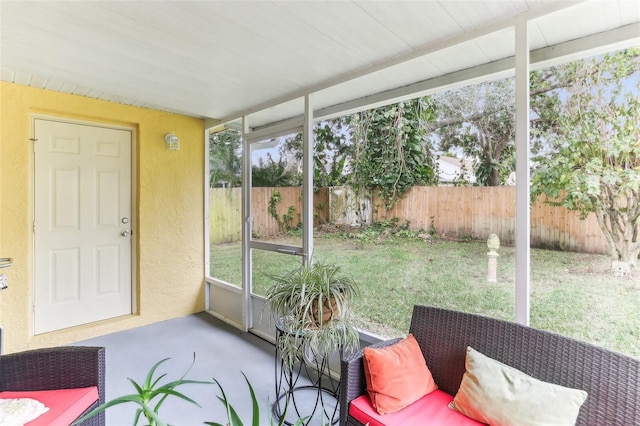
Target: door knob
x=125 y=233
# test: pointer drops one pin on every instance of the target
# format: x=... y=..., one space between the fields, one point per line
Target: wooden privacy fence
x=225 y=211
x=479 y=211
x=474 y=212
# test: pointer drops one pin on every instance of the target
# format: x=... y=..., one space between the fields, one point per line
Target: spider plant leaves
x=232 y=415
x=233 y=419
x=150 y=396
x=314 y=303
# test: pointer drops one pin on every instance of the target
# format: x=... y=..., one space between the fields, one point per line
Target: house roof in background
x=224 y=59
x=454 y=169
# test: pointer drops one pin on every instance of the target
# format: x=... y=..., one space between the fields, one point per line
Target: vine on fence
x=286 y=223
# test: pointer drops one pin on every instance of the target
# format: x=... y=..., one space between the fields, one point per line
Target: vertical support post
x=307 y=185
x=206 y=230
x=247 y=317
x=523 y=216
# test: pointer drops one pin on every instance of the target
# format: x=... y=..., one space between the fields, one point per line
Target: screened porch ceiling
x=220 y=60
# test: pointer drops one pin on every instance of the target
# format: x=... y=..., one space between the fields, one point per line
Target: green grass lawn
x=571 y=293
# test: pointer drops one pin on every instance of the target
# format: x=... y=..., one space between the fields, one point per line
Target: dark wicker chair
x=63 y=367
x=611 y=379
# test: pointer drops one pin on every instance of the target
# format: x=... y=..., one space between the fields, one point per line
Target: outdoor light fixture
x=173 y=143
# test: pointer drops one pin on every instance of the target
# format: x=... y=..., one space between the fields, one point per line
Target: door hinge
x=33 y=143
x=34 y=226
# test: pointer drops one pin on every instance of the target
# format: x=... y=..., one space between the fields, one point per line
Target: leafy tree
x=383 y=149
x=330 y=152
x=225 y=163
x=390 y=151
x=270 y=173
x=479 y=120
x=592 y=129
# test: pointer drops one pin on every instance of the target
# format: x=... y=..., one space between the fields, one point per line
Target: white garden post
x=493 y=243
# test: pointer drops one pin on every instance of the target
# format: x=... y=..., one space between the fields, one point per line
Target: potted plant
x=312 y=304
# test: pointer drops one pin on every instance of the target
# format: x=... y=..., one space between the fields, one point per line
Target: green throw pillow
x=494 y=393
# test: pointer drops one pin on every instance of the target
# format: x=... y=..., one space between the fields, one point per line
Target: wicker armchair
x=611 y=379
x=56 y=368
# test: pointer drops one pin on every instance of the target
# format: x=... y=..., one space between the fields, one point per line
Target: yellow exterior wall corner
x=168 y=217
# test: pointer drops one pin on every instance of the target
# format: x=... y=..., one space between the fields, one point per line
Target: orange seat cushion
x=431 y=409
x=397 y=375
x=65 y=405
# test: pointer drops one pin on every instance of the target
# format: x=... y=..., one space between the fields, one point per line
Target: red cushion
x=396 y=375
x=431 y=409
x=65 y=405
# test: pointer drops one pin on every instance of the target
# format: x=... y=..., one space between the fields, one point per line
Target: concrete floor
x=222 y=353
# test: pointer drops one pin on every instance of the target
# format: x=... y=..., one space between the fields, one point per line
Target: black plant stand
x=307 y=390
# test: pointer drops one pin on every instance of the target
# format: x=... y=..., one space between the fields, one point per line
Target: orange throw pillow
x=397 y=375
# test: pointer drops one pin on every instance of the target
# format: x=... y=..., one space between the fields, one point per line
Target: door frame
x=238 y=305
x=134 y=205
x=253 y=305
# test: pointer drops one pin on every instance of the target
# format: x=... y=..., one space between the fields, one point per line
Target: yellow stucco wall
x=169 y=220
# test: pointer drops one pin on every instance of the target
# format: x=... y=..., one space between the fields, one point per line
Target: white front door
x=82 y=224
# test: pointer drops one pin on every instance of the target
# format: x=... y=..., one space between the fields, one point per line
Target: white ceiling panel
x=412 y=22
x=221 y=59
x=497 y=45
x=471 y=15
x=345 y=27
x=584 y=19
x=469 y=53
